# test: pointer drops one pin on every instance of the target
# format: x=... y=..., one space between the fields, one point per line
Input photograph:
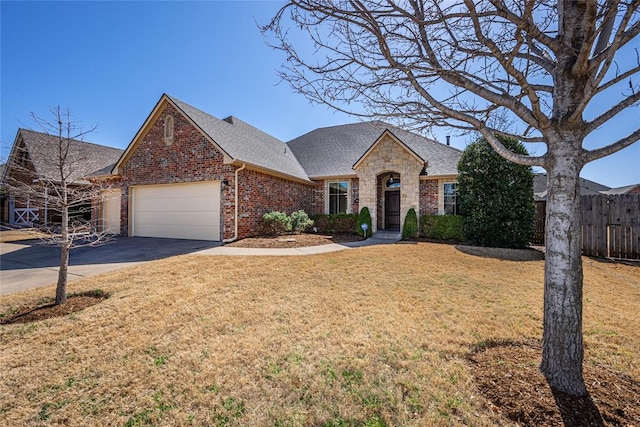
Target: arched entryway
x=389 y=186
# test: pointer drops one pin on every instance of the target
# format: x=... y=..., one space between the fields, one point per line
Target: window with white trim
x=451 y=199
x=338 y=197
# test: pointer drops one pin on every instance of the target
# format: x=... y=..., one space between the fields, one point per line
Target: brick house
x=31 y=175
x=187 y=174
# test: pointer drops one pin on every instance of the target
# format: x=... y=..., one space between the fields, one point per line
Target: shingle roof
x=587 y=187
x=332 y=151
x=621 y=190
x=83 y=160
x=245 y=143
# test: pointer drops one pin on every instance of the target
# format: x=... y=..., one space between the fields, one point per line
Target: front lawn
x=407 y=334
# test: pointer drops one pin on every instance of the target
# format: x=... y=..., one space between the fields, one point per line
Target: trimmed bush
x=300 y=221
x=410 y=227
x=364 y=217
x=275 y=223
x=442 y=227
x=496 y=196
x=335 y=223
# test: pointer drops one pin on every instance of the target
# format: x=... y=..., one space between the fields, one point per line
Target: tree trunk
x=65 y=248
x=562 y=346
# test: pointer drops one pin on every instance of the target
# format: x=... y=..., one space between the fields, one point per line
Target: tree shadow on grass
x=505 y=254
x=47 y=310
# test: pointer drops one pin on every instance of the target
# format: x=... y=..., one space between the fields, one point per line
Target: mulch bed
x=507 y=375
x=294 y=240
x=75 y=302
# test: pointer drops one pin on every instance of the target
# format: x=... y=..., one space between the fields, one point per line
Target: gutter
x=235 y=221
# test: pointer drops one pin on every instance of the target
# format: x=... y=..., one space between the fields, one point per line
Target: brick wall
x=319 y=198
x=635 y=190
x=428 y=197
x=259 y=193
x=190 y=157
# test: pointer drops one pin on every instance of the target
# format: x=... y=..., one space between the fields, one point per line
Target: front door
x=392 y=210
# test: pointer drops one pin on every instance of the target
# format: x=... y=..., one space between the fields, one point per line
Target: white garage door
x=179 y=211
x=111 y=211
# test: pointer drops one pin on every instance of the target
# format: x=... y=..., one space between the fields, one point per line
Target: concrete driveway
x=32 y=263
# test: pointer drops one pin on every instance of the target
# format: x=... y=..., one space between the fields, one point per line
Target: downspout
x=235 y=221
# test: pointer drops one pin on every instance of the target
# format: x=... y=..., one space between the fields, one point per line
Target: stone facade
x=388 y=155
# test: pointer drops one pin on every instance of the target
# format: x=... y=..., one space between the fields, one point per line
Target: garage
x=178 y=211
x=111 y=211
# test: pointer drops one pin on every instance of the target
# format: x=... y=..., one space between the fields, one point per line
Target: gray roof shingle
x=621 y=190
x=245 y=143
x=332 y=151
x=587 y=187
x=84 y=158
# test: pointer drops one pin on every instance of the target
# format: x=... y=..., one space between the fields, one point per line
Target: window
x=393 y=182
x=338 y=197
x=168 y=128
x=451 y=201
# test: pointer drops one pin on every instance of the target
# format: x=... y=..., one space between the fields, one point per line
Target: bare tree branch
x=467 y=64
x=613 y=147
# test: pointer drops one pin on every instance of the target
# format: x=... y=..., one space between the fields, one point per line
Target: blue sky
x=109 y=63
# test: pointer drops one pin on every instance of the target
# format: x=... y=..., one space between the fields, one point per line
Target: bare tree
x=555 y=71
x=55 y=186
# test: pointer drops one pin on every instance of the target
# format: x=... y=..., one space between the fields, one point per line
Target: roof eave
x=330 y=177
x=267 y=171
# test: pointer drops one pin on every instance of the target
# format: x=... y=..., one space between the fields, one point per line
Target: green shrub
x=364 y=217
x=496 y=196
x=275 y=223
x=300 y=221
x=442 y=227
x=410 y=227
x=335 y=223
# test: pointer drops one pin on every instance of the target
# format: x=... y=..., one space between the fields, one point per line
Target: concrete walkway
x=308 y=250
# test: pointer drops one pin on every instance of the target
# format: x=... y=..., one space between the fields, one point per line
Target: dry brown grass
x=7 y=236
x=370 y=336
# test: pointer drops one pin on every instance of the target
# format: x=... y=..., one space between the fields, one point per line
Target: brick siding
x=319 y=198
x=190 y=157
x=428 y=197
x=259 y=193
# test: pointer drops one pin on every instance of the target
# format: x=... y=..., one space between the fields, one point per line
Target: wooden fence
x=540 y=218
x=610 y=225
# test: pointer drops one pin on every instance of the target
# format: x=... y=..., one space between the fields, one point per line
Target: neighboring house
x=587 y=187
x=32 y=162
x=627 y=189
x=187 y=174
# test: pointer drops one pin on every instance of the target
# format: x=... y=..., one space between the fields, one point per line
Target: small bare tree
x=57 y=183
x=555 y=71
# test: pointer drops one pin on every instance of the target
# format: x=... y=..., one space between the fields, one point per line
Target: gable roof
x=587 y=187
x=334 y=150
x=83 y=160
x=621 y=190
x=387 y=133
x=239 y=141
